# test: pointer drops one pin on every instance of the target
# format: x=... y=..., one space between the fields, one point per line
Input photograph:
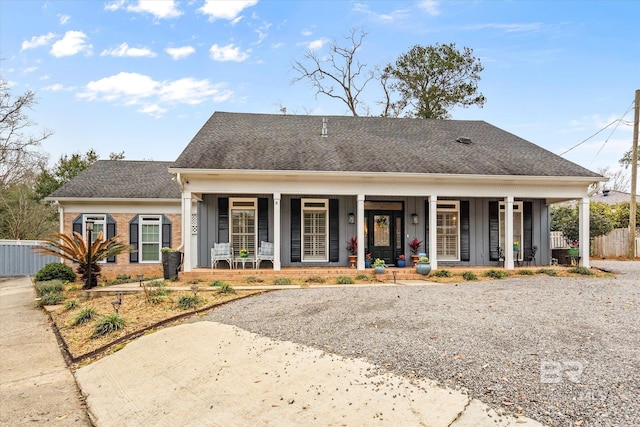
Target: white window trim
x=96 y=219
x=254 y=201
x=517 y=210
x=456 y=209
x=325 y=209
x=157 y=218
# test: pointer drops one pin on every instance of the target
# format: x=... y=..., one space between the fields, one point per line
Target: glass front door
x=384 y=235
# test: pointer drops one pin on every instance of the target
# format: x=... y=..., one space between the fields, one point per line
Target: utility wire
x=601 y=130
x=611 y=134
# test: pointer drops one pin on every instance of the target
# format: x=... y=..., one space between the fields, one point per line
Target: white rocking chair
x=221 y=252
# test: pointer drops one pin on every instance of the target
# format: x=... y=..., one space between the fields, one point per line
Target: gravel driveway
x=563 y=351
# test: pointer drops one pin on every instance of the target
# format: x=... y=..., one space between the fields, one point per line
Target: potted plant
x=401 y=261
x=574 y=248
x=423 y=266
x=368 y=260
x=516 y=246
x=414 y=245
x=352 y=247
x=244 y=253
x=379 y=266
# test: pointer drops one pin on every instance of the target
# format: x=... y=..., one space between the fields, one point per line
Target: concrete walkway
x=36 y=386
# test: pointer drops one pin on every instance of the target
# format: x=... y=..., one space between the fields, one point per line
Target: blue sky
x=143 y=76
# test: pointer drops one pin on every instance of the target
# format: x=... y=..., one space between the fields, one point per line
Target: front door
x=384 y=234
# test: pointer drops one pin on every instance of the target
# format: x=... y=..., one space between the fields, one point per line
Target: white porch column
x=508 y=233
x=276 y=232
x=186 y=231
x=433 y=232
x=583 y=226
x=360 y=231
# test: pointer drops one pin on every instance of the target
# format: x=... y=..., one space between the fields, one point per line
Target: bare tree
x=18 y=152
x=618 y=180
x=339 y=75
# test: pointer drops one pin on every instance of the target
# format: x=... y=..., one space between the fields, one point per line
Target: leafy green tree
x=620 y=215
x=22 y=217
x=565 y=219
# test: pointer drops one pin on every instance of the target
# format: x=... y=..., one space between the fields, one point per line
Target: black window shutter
x=263 y=220
x=296 y=226
x=465 y=238
x=426 y=229
x=133 y=239
x=527 y=225
x=166 y=232
x=76 y=227
x=223 y=219
x=111 y=232
x=334 y=231
x=494 y=231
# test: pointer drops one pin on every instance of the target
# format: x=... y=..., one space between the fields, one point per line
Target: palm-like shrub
x=74 y=248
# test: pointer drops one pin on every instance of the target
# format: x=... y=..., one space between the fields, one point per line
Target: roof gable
x=239 y=141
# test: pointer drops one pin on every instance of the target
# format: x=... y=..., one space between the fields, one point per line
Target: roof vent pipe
x=605 y=192
x=464 y=140
x=324 y=128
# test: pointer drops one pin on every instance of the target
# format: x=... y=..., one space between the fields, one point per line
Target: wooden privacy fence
x=18 y=259
x=614 y=244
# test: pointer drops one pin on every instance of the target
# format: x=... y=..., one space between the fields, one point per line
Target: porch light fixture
x=352 y=218
x=414 y=218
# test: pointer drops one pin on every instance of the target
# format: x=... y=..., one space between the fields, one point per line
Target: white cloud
x=429 y=6
x=57 y=87
x=317 y=44
x=37 y=41
x=72 y=43
x=227 y=53
x=160 y=9
x=63 y=19
x=153 y=97
x=30 y=70
x=180 y=52
x=224 y=9
x=125 y=50
x=395 y=15
x=509 y=28
x=306 y=32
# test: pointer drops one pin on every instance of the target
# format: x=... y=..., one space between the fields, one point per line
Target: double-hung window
x=99 y=224
x=448 y=230
x=517 y=227
x=243 y=225
x=150 y=238
x=315 y=226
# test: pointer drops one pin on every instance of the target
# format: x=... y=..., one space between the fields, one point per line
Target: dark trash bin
x=171 y=263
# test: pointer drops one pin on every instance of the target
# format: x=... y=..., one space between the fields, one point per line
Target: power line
x=601 y=130
x=614 y=129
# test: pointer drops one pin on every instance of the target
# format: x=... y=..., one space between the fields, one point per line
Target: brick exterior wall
x=122 y=264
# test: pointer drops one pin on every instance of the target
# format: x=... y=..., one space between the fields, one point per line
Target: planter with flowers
x=423 y=266
x=574 y=248
x=352 y=248
x=368 y=260
x=401 y=261
x=414 y=245
x=379 y=266
x=244 y=253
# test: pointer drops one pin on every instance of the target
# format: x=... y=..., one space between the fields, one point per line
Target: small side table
x=251 y=260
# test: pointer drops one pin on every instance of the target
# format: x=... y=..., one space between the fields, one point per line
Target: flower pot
x=423 y=268
x=367 y=264
x=352 y=260
x=401 y=263
x=171 y=263
x=379 y=269
x=414 y=259
x=573 y=251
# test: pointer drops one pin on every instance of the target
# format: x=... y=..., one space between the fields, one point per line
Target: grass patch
x=226 y=288
x=71 y=304
x=189 y=301
x=344 y=280
x=469 y=275
x=254 y=279
x=49 y=286
x=581 y=270
x=496 y=274
x=442 y=273
x=218 y=283
x=107 y=324
x=84 y=316
x=525 y=272
x=547 y=271
x=315 y=279
x=51 y=298
x=362 y=278
x=282 y=281
x=158 y=299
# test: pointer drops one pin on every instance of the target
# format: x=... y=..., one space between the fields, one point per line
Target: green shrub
x=547 y=271
x=157 y=299
x=50 y=286
x=194 y=281
x=362 y=278
x=226 y=288
x=581 y=270
x=158 y=288
x=108 y=324
x=253 y=279
x=344 y=280
x=496 y=274
x=282 y=281
x=315 y=279
x=442 y=273
x=188 y=301
x=525 y=272
x=123 y=277
x=469 y=275
x=55 y=270
x=218 y=283
x=71 y=304
x=84 y=316
x=50 y=298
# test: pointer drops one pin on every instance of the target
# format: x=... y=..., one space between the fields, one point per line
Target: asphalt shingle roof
x=367 y=144
x=122 y=179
